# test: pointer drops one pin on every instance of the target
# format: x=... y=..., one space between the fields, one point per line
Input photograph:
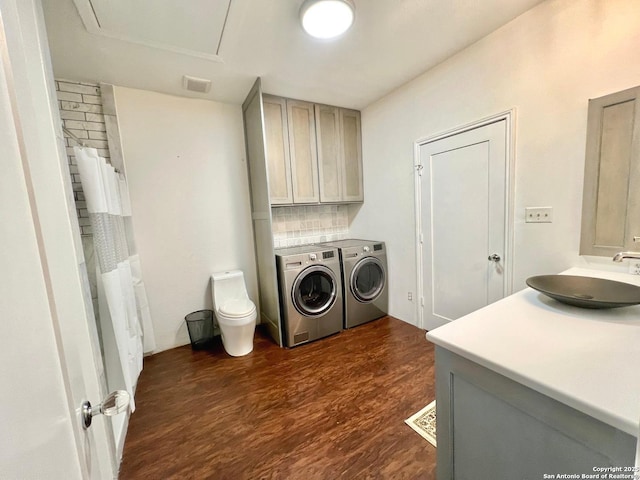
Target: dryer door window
x=367 y=279
x=314 y=291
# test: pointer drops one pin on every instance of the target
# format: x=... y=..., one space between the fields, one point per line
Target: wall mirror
x=611 y=199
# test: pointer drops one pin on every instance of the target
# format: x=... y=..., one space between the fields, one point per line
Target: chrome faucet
x=618 y=257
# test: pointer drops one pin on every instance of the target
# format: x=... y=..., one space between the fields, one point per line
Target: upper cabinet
x=611 y=202
x=339 y=154
x=329 y=163
x=277 y=150
x=303 y=153
x=313 y=152
x=351 y=142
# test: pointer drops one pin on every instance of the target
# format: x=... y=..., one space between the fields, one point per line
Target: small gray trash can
x=200 y=326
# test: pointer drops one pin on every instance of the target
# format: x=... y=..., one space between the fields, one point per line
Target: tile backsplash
x=302 y=225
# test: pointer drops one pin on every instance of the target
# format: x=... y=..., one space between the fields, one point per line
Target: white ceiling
x=391 y=42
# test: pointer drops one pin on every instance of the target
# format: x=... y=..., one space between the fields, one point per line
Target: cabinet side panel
x=261 y=213
x=267 y=278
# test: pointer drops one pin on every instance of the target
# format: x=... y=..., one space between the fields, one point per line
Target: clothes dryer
x=364 y=280
x=310 y=288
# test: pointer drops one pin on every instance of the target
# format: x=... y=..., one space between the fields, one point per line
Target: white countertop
x=587 y=359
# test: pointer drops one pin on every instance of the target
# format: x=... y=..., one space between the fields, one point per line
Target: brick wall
x=81 y=113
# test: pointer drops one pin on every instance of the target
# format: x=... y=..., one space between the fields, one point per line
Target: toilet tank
x=226 y=286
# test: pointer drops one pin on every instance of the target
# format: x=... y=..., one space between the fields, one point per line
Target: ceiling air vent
x=194 y=84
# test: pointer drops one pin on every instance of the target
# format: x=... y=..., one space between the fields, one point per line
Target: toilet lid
x=238 y=307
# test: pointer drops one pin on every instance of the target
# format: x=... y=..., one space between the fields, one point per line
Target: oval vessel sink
x=586 y=292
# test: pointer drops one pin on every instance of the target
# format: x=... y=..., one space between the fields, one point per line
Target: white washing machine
x=364 y=280
x=310 y=288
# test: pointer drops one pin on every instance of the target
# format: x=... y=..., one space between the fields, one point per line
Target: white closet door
x=463 y=214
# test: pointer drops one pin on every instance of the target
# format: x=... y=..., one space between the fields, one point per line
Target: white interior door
x=463 y=215
x=49 y=352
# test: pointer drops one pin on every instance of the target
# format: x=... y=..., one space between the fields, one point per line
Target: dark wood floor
x=334 y=408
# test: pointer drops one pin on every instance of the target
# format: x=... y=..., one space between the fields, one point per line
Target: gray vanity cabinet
x=611 y=201
x=491 y=427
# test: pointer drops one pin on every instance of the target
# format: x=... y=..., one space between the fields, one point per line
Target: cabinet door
x=277 y=154
x=302 y=146
x=351 y=151
x=329 y=158
x=611 y=203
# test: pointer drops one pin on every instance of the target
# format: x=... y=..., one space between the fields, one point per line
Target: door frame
x=509 y=117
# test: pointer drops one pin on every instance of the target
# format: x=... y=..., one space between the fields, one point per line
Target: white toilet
x=235 y=311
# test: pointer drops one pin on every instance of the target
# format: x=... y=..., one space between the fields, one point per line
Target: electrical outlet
x=634 y=267
x=410 y=296
x=538 y=214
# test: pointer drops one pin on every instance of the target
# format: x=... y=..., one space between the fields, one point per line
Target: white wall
x=546 y=63
x=184 y=161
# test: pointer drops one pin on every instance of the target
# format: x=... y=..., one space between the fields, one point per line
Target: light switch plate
x=538 y=214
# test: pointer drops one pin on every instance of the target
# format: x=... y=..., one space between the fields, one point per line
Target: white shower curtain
x=121 y=293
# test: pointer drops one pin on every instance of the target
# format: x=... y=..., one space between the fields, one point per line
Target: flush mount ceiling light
x=327 y=18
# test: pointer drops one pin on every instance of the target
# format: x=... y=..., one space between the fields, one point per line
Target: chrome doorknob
x=494 y=257
x=115 y=403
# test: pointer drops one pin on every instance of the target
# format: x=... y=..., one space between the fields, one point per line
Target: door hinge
x=419 y=169
x=422 y=301
x=421 y=238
